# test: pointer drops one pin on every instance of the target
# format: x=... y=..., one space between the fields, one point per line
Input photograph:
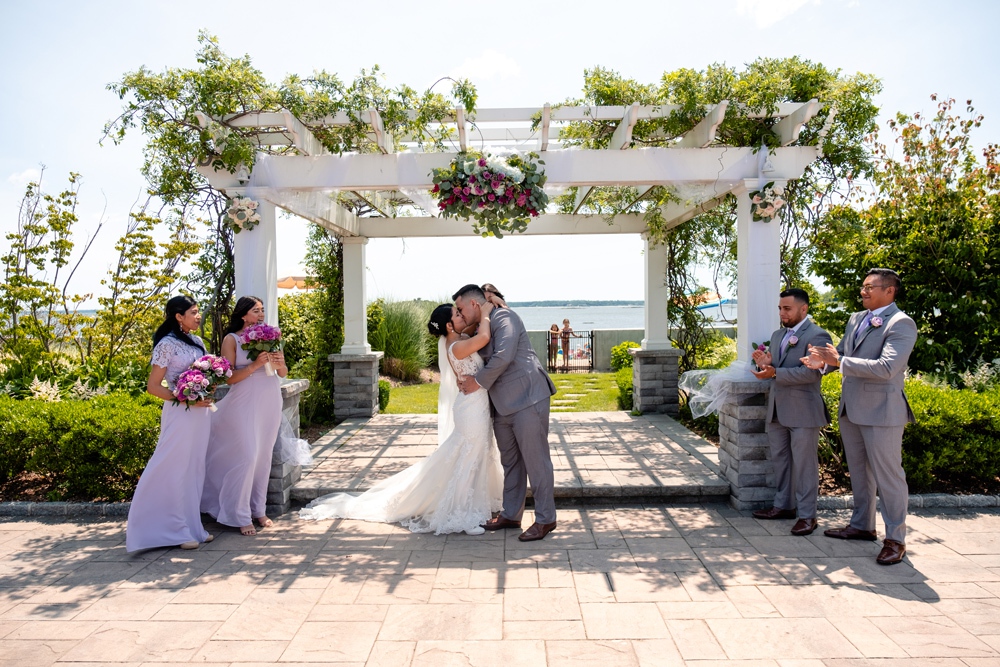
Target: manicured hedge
x=94 y=450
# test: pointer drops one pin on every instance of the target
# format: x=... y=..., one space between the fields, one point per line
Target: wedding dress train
x=456 y=488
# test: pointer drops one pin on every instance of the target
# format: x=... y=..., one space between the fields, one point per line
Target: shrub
x=383 y=394
x=955 y=442
x=620 y=358
x=623 y=378
x=402 y=336
x=719 y=352
x=93 y=450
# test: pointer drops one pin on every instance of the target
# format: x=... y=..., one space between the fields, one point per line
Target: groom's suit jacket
x=513 y=376
x=873 y=368
x=795 y=394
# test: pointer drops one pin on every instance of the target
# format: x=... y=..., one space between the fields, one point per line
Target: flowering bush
x=259 y=338
x=499 y=194
x=241 y=214
x=765 y=203
x=199 y=382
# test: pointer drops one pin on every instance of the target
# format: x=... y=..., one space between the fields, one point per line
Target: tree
x=933 y=215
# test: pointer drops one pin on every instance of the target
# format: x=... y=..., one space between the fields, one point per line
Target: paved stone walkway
x=698 y=586
x=596 y=456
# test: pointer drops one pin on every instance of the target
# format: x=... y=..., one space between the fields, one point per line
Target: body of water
x=585 y=318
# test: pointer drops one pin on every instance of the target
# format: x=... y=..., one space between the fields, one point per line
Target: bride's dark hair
x=438 y=325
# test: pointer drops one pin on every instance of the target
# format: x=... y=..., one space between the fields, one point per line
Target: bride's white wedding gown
x=457 y=488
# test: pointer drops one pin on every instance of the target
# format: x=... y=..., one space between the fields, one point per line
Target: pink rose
x=876 y=322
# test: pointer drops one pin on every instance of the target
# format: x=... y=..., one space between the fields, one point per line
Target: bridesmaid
x=164 y=510
x=244 y=429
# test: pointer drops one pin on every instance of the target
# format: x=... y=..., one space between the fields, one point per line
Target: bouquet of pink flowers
x=198 y=382
x=259 y=338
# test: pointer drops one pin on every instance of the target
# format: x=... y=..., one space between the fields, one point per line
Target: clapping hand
x=762 y=358
x=822 y=356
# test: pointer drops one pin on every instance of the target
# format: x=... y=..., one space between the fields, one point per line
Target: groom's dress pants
x=523 y=440
x=875 y=461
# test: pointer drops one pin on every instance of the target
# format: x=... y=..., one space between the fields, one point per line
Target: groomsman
x=795 y=412
x=873 y=412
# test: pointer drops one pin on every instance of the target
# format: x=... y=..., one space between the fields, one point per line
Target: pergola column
x=355 y=369
x=355 y=297
x=656 y=294
x=758 y=274
x=255 y=261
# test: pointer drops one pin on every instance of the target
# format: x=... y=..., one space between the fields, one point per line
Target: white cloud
x=490 y=64
x=768 y=12
x=25 y=177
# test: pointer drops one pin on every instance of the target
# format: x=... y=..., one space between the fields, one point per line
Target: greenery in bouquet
x=499 y=194
x=198 y=383
x=766 y=202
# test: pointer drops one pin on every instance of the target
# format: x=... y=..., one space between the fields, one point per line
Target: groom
x=519 y=390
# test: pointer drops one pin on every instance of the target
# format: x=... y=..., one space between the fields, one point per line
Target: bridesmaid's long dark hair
x=243 y=306
x=178 y=305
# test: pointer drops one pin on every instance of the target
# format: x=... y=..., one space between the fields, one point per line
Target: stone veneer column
x=355 y=385
x=654 y=380
x=284 y=475
x=744 y=453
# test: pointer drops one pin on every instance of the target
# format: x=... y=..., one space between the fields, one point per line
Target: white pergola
x=304 y=179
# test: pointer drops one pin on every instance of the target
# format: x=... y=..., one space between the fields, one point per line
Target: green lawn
x=588 y=392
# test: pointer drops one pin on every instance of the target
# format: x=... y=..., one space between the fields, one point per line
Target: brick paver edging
x=927 y=500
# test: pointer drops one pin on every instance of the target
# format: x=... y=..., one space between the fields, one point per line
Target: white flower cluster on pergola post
x=305 y=181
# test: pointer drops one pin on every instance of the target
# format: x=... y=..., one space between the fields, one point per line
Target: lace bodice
x=471 y=365
x=176 y=356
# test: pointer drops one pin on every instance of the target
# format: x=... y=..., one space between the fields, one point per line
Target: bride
x=459 y=486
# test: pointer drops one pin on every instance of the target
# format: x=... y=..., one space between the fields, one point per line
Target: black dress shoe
x=804 y=527
x=851 y=533
x=892 y=553
x=499 y=523
x=773 y=513
x=537 y=531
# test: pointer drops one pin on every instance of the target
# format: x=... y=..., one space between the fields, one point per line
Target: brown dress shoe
x=851 y=533
x=537 y=531
x=499 y=523
x=892 y=553
x=774 y=513
x=804 y=527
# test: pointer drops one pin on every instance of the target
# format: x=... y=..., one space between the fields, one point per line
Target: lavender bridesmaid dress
x=242 y=442
x=164 y=510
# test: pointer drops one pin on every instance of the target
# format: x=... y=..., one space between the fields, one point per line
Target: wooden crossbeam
x=620 y=140
x=788 y=128
x=630 y=223
x=382 y=138
x=543 y=126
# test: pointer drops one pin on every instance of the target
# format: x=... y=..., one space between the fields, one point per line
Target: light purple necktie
x=863 y=326
x=784 y=341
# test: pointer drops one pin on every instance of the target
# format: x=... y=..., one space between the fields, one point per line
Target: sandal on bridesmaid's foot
x=187 y=546
x=248 y=530
x=265 y=522
x=209 y=538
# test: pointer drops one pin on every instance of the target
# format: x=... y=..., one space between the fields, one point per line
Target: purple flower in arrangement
x=198 y=383
x=876 y=321
x=482 y=162
x=492 y=197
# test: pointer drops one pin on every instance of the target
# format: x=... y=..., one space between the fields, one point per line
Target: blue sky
x=57 y=57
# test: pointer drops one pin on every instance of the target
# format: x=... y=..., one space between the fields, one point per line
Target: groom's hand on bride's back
x=467 y=385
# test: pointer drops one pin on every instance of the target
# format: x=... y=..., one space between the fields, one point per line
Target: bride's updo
x=438 y=326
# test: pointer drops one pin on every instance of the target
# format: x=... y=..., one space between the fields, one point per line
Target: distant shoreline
x=572 y=303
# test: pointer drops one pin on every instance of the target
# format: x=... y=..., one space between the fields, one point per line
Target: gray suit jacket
x=873 y=369
x=796 y=389
x=512 y=375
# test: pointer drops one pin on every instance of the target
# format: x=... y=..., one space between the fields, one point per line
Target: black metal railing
x=573 y=354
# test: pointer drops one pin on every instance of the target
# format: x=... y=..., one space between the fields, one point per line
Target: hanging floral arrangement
x=765 y=203
x=499 y=194
x=241 y=214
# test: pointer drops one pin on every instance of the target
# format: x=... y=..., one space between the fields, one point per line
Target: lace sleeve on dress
x=162 y=353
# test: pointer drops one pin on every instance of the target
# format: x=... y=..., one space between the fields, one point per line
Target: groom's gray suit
x=795 y=415
x=873 y=412
x=519 y=389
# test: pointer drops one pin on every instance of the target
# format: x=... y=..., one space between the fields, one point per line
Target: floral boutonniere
x=876 y=322
x=793 y=341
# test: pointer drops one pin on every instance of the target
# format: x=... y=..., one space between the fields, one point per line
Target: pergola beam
x=788 y=128
x=639 y=167
x=402 y=227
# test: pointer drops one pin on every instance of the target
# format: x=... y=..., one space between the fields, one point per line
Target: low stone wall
x=284 y=475
x=744 y=453
x=654 y=380
x=355 y=385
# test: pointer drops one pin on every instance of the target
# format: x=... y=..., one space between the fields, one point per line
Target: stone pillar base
x=355 y=385
x=283 y=475
x=654 y=380
x=744 y=452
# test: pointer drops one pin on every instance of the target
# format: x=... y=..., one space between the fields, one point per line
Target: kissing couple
x=493 y=411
